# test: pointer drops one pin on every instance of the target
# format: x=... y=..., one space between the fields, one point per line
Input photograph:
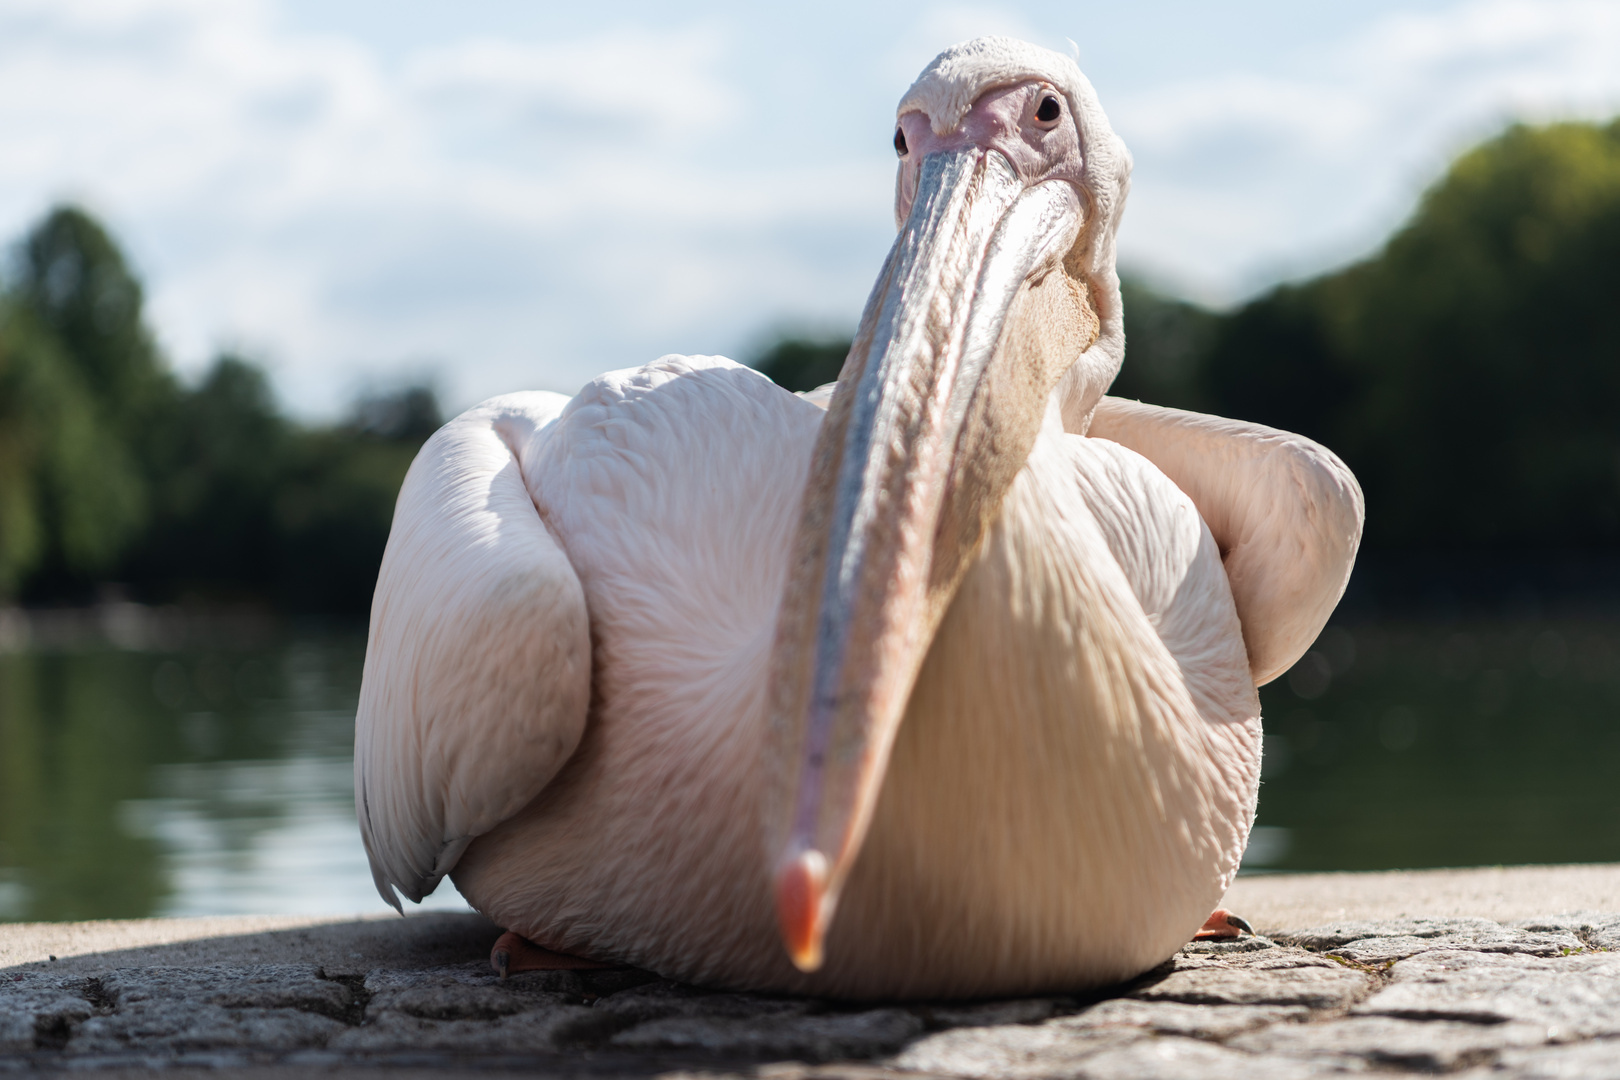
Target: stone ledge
x=1498 y=972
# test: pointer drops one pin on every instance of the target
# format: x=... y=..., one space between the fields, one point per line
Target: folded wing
x=1286 y=512
x=478 y=666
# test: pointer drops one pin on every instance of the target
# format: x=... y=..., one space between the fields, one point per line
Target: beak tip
x=801 y=892
x=809 y=960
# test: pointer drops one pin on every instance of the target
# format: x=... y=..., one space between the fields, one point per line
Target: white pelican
x=946 y=691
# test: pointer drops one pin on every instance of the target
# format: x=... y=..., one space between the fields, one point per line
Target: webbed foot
x=514 y=953
x=1222 y=925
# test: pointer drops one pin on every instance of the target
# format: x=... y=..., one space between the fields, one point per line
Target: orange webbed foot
x=514 y=953
x=1222 y=925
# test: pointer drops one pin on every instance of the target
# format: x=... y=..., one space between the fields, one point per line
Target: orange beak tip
x=801 y=890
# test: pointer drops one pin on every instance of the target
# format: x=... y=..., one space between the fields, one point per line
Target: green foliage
x=217 y=463
x=77 y=284
x=800 y=364
x=1469 y=371
x=250 y=505
x=80 y=386
x=1166 y=340
x=110 y=469
x=70 y=494
x=334 y=508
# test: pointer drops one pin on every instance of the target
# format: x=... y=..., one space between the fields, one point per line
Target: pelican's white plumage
x=473 y=589
x=593 y=689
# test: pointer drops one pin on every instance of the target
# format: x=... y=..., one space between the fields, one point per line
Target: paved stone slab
x=1433 y=1046
x=339 y=946
x=1014 y=1052
x=1190 y=1059
x=1288 y=979
x=1571 y=997
x=1387 y=949
x=1334 y=935
x=172 y=1011
x=991 y=1013
x=1500 y=893
x=466 y=1009
x=1193 y=1021
x=1595 y=929
x=825 y=1037
x=1340 y=994
x=1598 y=1060
x=1056 y=1051
x=39 y=1009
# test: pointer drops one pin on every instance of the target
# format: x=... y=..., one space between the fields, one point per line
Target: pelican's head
x=998 y=303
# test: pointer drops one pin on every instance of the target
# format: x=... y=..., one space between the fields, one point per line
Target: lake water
x=190 y=782
x=1451 y=743
x=216 y=779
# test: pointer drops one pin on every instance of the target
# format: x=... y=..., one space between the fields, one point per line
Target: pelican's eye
x=1049 y=109
x=899 y=142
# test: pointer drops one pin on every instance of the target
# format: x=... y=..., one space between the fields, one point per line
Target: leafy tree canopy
x=112 y=470
x=800 y=364
x=1469 y=371
x=77 y=284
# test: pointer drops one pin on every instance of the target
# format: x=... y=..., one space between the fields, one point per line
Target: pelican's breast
x=1072 y=787
x=1069 y=791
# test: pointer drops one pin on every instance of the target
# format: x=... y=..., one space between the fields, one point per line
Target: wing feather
x=1286 y=512
x=477 y=675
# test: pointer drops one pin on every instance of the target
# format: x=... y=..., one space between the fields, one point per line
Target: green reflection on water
x=1419 y=745
x=130 y=782
x=76 y=736
x=87 y=737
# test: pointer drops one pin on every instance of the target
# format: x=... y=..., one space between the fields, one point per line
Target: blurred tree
x=109 y=468
x=799 y=364
x=249 y=505
x=78 y=285
x=408 y=415
x=83 y=386
x=1468 y=371
x=71 y=496
x=335 y=504
x=1166 y=343
x=216 y=464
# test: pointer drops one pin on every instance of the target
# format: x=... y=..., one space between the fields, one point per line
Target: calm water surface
x=1418 y=744
x=218 y=780
x=182 y=783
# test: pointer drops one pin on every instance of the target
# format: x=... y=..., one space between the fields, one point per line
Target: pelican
x=939 y=684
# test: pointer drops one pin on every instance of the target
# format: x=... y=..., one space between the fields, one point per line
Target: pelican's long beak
x=934 y=415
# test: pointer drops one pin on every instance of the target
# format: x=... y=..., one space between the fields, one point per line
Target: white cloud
x=526 y=210
x=1247 y=175
x=522 y=213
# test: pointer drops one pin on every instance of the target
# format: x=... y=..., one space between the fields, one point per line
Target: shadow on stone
x=1407 y=994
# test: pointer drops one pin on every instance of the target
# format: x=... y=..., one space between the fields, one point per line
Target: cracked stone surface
x=1466 y=996
x=1428 y=1046
x=1572 y=997
x=39 y=1010
x=273 y=1008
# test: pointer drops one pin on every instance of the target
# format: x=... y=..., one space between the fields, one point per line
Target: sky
x=497 y=195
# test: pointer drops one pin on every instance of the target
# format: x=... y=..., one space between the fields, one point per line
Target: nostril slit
x=1049 y=110
x=899 y=142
